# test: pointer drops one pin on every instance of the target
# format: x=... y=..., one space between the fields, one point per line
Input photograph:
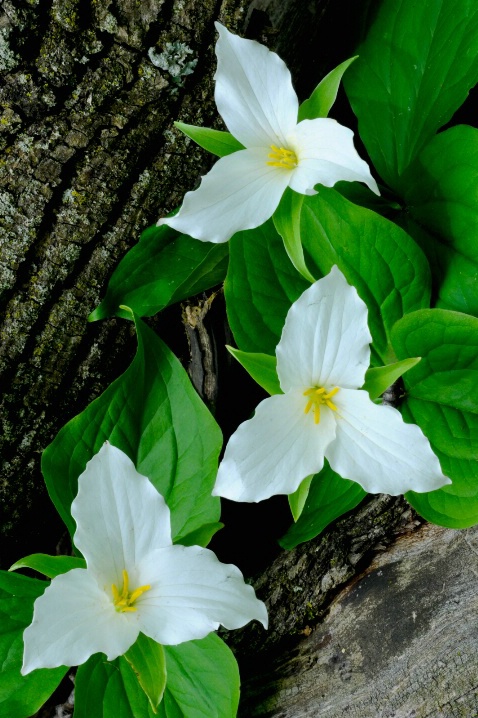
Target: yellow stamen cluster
x=280 y=157
x=318 y=396
x=124 y=601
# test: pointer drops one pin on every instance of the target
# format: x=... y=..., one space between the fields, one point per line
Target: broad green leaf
x=148 y=661
x=442 y=398
x=217 y=142
x=379 y=379
x=415 y=68
x=260 y=286
x=287 y=222
x=262 y=368
x=153 y=414
x=50 y=566
x=21 y=696
x=105 y=689
x=386 y=266
x=202 y=682
x=299 y=497
x=325 y=94
x=388 y=269
x=442 y=194
x=163 y=268
x=329 y=497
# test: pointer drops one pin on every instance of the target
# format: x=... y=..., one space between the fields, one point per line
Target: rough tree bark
x=89 y=157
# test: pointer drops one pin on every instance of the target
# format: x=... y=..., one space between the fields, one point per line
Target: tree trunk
x=90 y=158
x=399 y=640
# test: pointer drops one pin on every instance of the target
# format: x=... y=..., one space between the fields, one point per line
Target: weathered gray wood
x=400 y=641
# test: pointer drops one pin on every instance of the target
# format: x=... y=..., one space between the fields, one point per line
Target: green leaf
x=261 y=367
x=415 y=68
x=105 y=689
x=163 y=268
x=260 y=286
x=379 y=379
x=215 y=141
x=148 y=661
x=50 y=566
x=299 y=497
x=442 y=194
x=442 y=398
x=386 y=266
x=202 y=682
x=388 y=269
x=329 y=497
x=325 y=94
x=287 y=222
x=153 y=414
x=21 y=696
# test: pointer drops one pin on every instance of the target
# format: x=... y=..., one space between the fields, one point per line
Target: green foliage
x=388 y=269
x=329 y=497
x=215 y=141
x=20 y=696
x=299 y=497
x=442 y=398
x=287 y=223
x=385 y=265
x=148 y=661
x=260 y=286
x=323 y=97
x=163 y=268
x=106 y=689
x=442 y=194
x=415 y=69
x=153 y=414
x=202 y=682
x=50 y=566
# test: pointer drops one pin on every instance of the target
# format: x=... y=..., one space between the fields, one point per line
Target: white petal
x=325 y=340
x=254 y=93
x=192 y=594
x=72 y=620
x=240 y=192
x=120 y=517
x=375 y=448
x=326 y=154
x=272 y=452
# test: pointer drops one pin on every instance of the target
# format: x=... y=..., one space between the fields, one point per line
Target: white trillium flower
x=255 y=98
x=322 y=358
x=136 y=580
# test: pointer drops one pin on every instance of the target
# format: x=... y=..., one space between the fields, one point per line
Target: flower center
x=317 y=397
x=280 y=157
x=124 y=601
